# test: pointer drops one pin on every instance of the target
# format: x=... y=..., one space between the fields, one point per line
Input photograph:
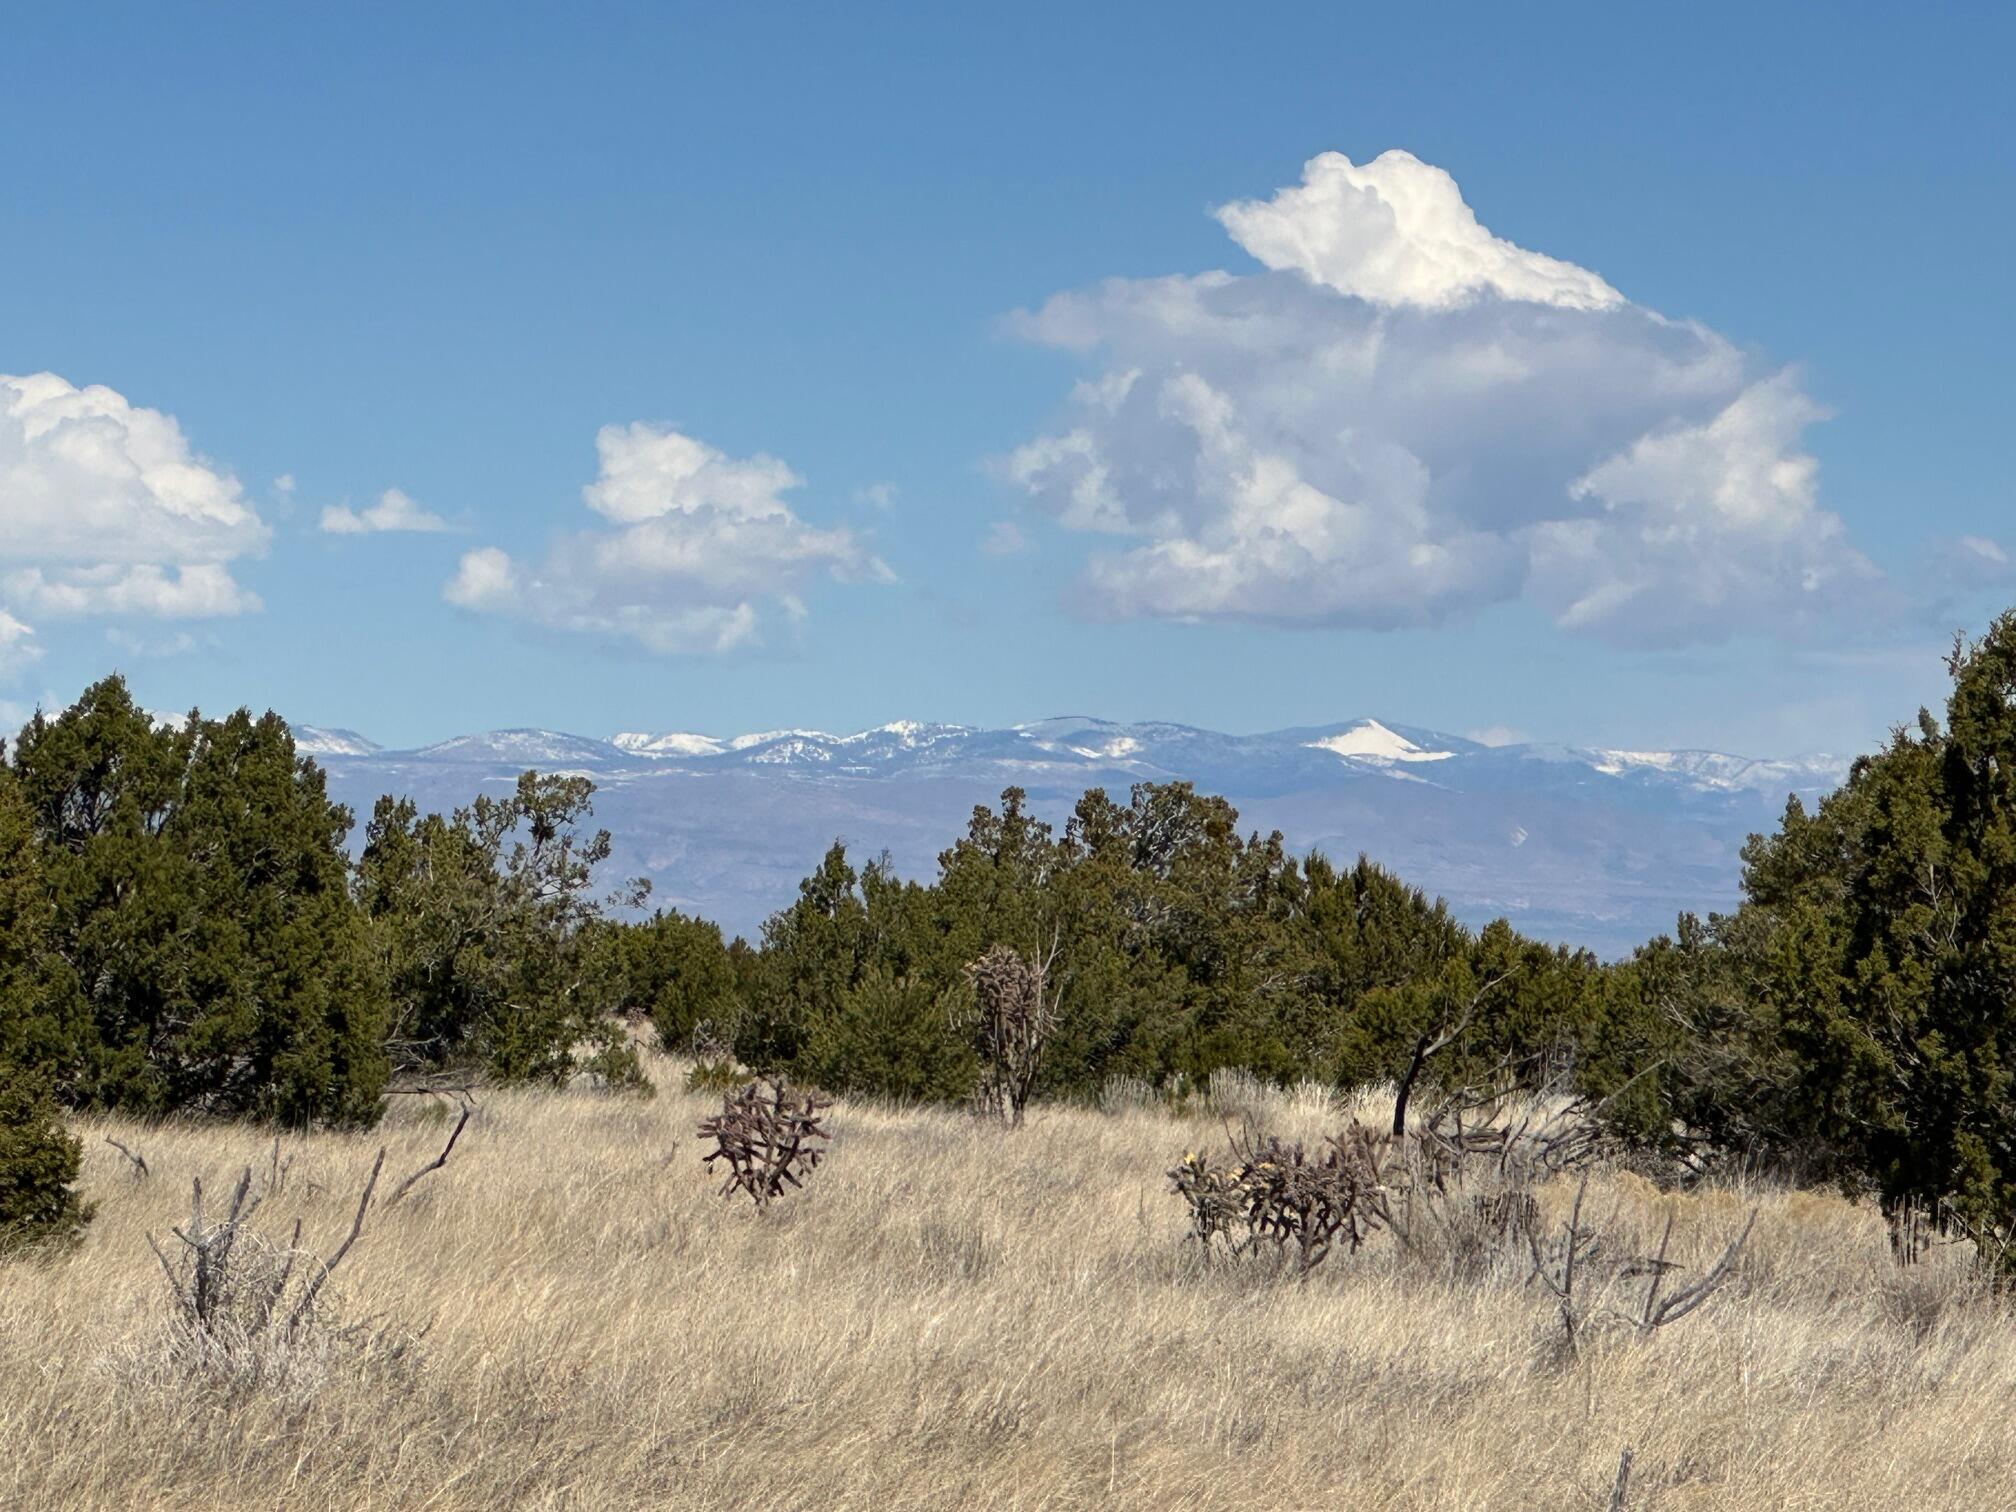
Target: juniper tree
x=39 y=1161
x=211 y=957
x=486 y=922
x=1877 y=944
x=678 y=973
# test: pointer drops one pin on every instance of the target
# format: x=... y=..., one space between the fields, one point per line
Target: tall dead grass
x=953 y=1317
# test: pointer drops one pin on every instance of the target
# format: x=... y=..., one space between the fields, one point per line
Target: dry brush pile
x=1457 y=1196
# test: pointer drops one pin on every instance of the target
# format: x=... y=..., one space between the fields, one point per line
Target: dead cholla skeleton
x=769 y=1133
x=1360 y=1182
x=1417 y=1187
x=1017 y=1011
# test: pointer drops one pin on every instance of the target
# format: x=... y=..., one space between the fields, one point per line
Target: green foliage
x=200 y=949
x=1886 y=953
x=1856 y=1018
x=39 y=1162
x=679 y=974
x=1180 y=948
x=1704 y=1077
x=720 y=1074
x=39 y=1024
x=895 y=1037
x=493 y=947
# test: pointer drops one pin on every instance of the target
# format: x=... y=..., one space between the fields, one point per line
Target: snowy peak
x=773 y=737
x=671 y=743
x=523 y=747
x=1369 y=740
x=314 y=740
x=1075 y=735
x=899 y=738
x=1715 y=770
x=908 y=735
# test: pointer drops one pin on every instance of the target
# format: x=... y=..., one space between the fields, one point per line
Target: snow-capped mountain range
x=1596 y=847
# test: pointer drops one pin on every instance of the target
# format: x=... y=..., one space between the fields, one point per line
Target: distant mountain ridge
x=1592 y=846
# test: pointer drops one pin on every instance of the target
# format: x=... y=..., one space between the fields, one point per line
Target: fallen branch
x=465 y=1091
x=1658 y=1312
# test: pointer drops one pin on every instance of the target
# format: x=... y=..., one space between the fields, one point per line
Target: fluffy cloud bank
x=104 y=509
x=700 y=543
x=1405 y=418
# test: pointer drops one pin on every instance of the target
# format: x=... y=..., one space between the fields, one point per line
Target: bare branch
x=140 y=1171
x=1686 y=1300
x=314 y=1287
x=437 y=1162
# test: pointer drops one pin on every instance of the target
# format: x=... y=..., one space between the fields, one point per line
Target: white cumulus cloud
x=700 y=543
x=1396 y=231
x=1719 y=519
x=204 y=590
x=105 y=509
x=395 y=510
x=1404 y=418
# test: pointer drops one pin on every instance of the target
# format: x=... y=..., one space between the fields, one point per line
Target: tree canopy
x=194 y=943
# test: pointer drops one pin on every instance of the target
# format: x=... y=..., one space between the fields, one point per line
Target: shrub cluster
x=39 y=1204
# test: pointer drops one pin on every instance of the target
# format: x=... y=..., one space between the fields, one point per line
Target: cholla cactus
x=1293 y=1199
x=1217 y=1199
x=1279 y=1193
x=766 y=1133
x=1018 y=1010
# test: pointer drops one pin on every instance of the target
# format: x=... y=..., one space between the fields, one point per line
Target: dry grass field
x=953 y=1317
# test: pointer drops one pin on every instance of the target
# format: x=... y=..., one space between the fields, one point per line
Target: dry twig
x=217 y=1294
x=468 y=1107
x=139 y=1162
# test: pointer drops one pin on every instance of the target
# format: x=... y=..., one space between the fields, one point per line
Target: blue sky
x=876 y=342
